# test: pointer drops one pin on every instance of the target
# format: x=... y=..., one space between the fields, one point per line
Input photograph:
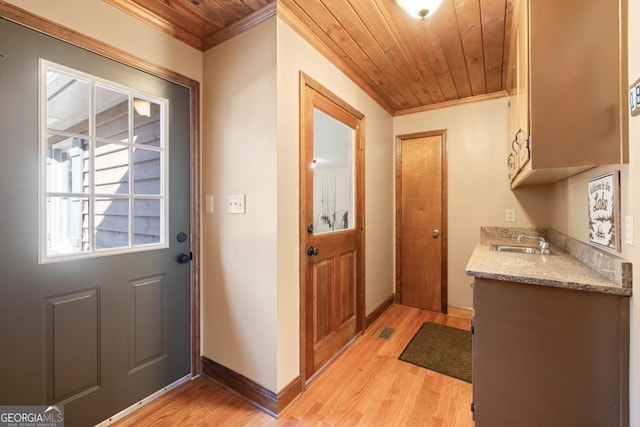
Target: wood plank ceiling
x=457 y=54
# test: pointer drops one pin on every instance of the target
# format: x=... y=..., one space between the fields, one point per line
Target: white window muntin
x=47 y=226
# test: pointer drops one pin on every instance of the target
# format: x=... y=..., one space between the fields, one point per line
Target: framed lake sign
x=604 y=210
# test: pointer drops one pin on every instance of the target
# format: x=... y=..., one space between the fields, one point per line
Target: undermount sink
x=517 y=249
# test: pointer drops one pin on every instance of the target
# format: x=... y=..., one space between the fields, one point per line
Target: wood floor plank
x=365 y=386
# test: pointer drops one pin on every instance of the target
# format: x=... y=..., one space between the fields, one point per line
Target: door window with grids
x=103 y=166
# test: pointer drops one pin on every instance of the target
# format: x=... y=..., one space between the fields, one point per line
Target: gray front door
x=94 y=333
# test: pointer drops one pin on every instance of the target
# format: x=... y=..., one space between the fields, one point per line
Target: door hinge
x=473 y=407
x=473 y=330
x=361 y=144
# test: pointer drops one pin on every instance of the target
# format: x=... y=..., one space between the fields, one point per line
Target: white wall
x=104 y=22
x=477 y=150
x=239 y=250
x=295 y=54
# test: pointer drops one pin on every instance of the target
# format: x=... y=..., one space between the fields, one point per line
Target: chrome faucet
x=544 y=245
x=526 y=236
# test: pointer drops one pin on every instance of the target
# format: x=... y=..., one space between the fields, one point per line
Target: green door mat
x=442 y=349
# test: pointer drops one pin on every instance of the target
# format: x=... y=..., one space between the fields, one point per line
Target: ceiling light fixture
x=419 y=8
x=142 y=107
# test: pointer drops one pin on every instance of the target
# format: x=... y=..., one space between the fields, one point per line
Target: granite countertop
x=559 y=269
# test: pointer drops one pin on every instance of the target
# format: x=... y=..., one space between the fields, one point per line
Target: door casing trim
x=444 y=241
x=308 y=83
x=66 y=34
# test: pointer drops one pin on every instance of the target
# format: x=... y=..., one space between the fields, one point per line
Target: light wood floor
x=366 y=385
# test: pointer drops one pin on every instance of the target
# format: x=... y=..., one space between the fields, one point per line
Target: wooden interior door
x=331 y=226
x=421 y=221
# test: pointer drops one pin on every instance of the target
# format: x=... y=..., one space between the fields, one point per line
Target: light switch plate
x=236 y=204
x=208 y=203
x=510 y=215
x=628 y=229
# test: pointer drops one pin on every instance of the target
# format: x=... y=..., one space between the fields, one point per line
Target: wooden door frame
x=66 y=34
x=307 y=86
x=444 y=233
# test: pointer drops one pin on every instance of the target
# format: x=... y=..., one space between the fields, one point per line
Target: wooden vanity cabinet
x=545 y=356
x=571 y=96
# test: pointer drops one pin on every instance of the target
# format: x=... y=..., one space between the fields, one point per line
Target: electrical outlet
x=628 y=230
x=236 y=204
x=510 y=215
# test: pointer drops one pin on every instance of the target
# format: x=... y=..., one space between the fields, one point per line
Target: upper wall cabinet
x=568 y=107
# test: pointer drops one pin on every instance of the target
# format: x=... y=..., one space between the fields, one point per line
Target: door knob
x=184 y=258
x=435 y=233
x=312 y=251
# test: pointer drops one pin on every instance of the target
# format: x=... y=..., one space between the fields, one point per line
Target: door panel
x=332 y=190
x=334 y=288
x=422 y=222
x=148 y=338
x=94 y=334
x=347 y=294
x=73 y=346
x=323 y=273
x=335 y=284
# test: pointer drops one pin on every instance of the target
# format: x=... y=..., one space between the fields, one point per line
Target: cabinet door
x=549 y=357
x=523 y=85
x=512 y=159
x=575 y=66
x=519 y=153
x=572 y=66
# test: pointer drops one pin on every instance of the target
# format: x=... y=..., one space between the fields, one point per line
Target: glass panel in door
x=333 y=174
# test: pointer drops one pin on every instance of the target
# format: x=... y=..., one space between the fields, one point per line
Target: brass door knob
x=435 y=233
